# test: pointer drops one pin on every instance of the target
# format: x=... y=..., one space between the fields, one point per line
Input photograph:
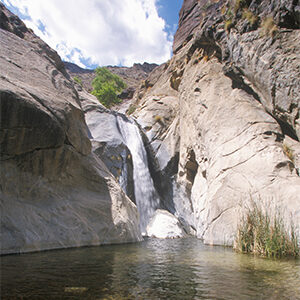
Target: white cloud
x=105 y=32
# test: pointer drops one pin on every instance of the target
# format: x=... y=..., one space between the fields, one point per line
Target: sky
x=93 y=33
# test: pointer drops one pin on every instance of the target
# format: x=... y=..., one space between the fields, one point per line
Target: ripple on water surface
x=154 y=269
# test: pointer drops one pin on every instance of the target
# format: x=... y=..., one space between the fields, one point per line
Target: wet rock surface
x=107 y=141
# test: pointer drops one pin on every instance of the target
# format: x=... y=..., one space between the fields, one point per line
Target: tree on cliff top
x=106 y=87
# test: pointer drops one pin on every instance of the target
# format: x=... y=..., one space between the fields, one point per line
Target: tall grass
x=131 y=109
x=260 y=234
x=268 y=27
x=249 y=16
x=289 y=153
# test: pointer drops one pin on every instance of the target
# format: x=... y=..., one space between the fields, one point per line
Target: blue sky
x=103 y=32
x=169 y=11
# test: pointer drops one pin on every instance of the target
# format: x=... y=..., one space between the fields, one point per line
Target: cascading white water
x=123 y=178
x=146 y=197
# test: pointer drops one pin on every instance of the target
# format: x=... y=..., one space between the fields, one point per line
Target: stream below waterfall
x=153 y=269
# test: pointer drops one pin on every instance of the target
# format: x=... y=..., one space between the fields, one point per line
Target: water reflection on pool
x=154 y=269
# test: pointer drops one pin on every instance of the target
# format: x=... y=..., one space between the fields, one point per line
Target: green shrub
x=249 y=16
x=228 y=19
x=228 y=25
x=78 y=80
x=131 y=109
x=106 y=86
x=260 y=234
x=229 y=14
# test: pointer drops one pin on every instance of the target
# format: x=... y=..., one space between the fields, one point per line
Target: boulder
x=127 y=93
x=164 y=225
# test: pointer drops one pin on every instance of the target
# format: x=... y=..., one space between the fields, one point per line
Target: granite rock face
x=189 y=17
x=232 y=153
x=230 y=135
x=55 y=192
x=221 y=123
x=107 y=141
x=258 y=43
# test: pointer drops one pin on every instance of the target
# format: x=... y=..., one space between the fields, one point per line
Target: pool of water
x=154 y=269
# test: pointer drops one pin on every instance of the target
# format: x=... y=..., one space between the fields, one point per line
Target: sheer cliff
x=222 y=116
x=54 y=192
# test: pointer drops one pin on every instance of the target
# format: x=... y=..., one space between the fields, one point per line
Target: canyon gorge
x=207 y=134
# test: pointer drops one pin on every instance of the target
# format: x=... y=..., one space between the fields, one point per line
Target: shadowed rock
x=55 y=193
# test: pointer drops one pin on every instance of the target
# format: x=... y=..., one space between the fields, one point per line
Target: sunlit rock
x=164 y=225
x=235 y=101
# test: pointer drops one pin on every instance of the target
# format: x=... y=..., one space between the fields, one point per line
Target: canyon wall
x=220 y=122
x=222 y=116
x=55 y=192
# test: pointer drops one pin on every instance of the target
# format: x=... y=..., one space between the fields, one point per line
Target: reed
x=260 y=234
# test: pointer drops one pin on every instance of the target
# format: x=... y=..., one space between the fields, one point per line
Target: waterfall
x=123 y=178
x=147 y=200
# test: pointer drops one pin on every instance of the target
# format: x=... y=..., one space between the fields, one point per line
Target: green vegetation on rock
x=260 y=234
x=249 y=16
x=288 y=151
x=228 y=25
x=106 y=87
x=78 y=80
x=239 y=4
x=234 y=11
x=268 y=27
x=131 y=109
